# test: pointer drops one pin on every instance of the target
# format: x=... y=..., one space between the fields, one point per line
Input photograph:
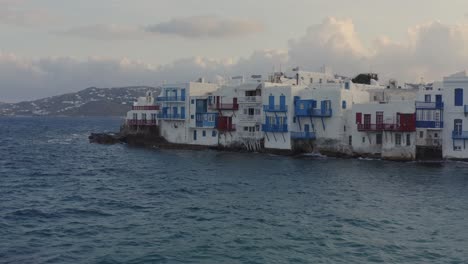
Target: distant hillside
x=88 y=102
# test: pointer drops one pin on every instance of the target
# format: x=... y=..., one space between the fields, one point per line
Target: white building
x=144 y=111
x=455 y=132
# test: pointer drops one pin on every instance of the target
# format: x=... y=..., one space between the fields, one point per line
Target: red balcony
x=146 y=107
x=404 y=127
x=133 y=122
x=224 y=124
x=224 y=106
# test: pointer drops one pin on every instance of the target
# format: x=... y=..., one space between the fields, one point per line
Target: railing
x=250 y=118
x=274 y=128
x=429 y=124
x=429 y=105
x=171 y=116
x=459 y=134
x=224 y=106
x=207 y=120
x=146 y=107
x=171 y=99
x=250 y=99
x=133 y=122
x=321 y=112
x=275 y=108
x=386 y=127
x=303 y=135
x=247 y=134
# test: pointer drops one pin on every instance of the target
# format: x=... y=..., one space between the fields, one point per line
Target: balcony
x=275 y=108
x=226 y=128
x=429 y=105
x=459 y=134
x=430 y=124
x=146 y=107
x=250 y=135
x=321 y=112
x=303 y=135
x=134 y=122
x=250 y=99
x=221 y=107
x=208 y=120
x=171 y=116
x=275 y=128
x=171 y=99
x=386 y=127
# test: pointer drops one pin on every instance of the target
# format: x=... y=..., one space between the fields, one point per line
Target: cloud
x=206 y=27
x=105 y=32
x=430 y=50
x=16 y=12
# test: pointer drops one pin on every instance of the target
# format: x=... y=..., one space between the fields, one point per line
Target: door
x=457 y=128
x=437 y=119
x=182 y=94
x=271 y=102
x=379 y=120
x=283 y=102
x=367 y=121
x=195 y=135
x=307 y=130
x=174 y=112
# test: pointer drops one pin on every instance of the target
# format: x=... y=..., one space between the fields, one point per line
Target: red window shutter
x=358 y=118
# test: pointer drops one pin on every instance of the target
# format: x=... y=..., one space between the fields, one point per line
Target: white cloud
x=206 y=27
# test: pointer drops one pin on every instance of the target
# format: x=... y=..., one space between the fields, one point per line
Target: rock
x=103 y=138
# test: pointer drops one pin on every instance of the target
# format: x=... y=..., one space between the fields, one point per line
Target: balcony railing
x=207 y=120
x=275 y=108
x=321 y=113
x=146 y=107
x=134 y=122
x=459 y=134
x=429 y=124
x=171 y=116
x=226 y=128
x=250 y=99
x=247 y=134
x=429 y=105
x=385 y=127
x=171 y=99
x=234 y=107
x=303 y=135
x=275 y=128
x=250 y=118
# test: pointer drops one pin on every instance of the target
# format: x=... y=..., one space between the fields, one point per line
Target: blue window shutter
x=271 y=101
x=459 y=97
x=282 y=102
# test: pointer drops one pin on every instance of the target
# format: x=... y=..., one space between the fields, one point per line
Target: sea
x=64 y=200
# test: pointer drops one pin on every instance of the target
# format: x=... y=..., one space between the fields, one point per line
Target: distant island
x=88 y=102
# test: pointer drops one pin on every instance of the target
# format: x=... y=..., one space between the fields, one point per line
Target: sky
x=50 y=47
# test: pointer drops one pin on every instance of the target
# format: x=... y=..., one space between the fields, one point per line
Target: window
x=135 y=116
x=195 y=135
x=311 y=80
x=204 y=133
x=343 y=104
x=457 y=126
x=251 y=111
x=350 y=140
x=320 y=80
x=192 y=117
x=294 y=119
x=427 y=98
x=358 y=118
x=398 y=139
x=436 y=135
x=192 y=101
x=213 y=133
x=378 y=139
x=347 y=85
x=458 y=97
x=421 y=134
x=408 y=140
x=344 y=128
x=246 y=128
x=245 y=111
x=363 y=140
x=143 y=116
x=457 y=148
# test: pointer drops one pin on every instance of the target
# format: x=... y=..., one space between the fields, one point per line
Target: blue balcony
x=207 y=120
x=275 y=128
x=459 y=134
x=303 y=135
x=275 y=108
x=429 y=105
x=429 y=124
x=171 y=99
x=171 y=116
x=321 y=112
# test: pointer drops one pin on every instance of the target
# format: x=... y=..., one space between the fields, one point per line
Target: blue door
x=283 y=102
x=458 y=97
x=164 y=113
x=174 y=112
x=182 y=94
x=271 y=102
x=307 y=130
x=182 y=112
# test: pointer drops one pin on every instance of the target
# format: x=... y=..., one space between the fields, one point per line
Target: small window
x=204 y=133
x=457 y=148
x=379 y=139
x=347 y=85
x=408 y=140
x=398 y=139
x=192 y=117
x=294 y=119
x=350 y=140
x=192 y=101
x=246 y=128
x=363 y=140
x=343 y=104
x=311 y=80
x=427 y=98
x=344 y=128
x=459 y=97
x=213 y=133
x=421 y=134
x=436 y=135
